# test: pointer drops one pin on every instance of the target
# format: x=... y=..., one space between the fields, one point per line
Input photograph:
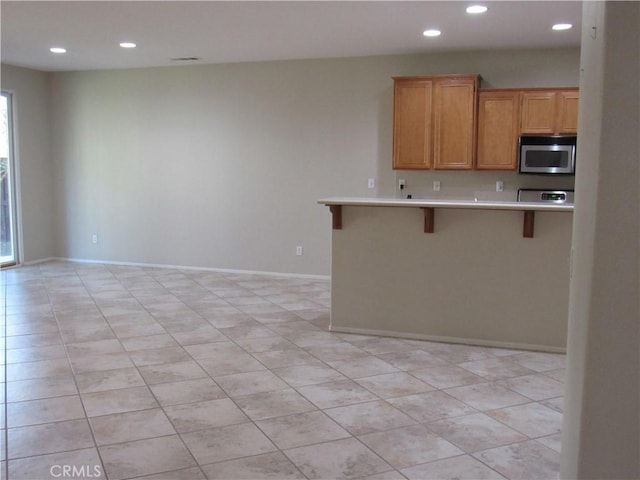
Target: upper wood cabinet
x=549 y=112
x=412 y=114
x=567 y=118
x=454 y=123
x=434 y=122
x=498 y=123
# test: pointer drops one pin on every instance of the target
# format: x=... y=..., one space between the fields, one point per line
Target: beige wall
x=32 y=121
x=221 y=165
x=601 y=433
x=474 y=280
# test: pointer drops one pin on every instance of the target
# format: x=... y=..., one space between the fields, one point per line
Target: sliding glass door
x=8 y=238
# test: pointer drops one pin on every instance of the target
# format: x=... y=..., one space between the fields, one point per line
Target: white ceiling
x=239 y=31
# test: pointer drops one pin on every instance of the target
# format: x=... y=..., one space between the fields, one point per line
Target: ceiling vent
x=185 y=59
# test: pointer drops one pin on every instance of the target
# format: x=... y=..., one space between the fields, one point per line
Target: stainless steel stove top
x=545 y=196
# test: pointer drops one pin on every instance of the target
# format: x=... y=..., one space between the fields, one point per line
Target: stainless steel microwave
x=547 y=154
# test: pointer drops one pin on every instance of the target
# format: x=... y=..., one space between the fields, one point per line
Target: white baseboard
x=189 y=268
x=436 y=338
x=38 y=261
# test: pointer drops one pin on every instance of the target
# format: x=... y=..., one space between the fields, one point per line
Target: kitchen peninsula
x=484 y=273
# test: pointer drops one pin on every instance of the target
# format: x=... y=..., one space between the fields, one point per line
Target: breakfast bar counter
x=429 y=207
x=460 y=271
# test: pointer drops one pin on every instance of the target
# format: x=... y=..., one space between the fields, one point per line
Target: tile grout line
x=325 y=364
x=233 y=399
x=137 y=370
x=73 y=375
x=5 y=373
x=182 y=296
x=148 y=386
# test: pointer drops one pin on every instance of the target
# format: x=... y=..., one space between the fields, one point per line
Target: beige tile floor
x=127 y=372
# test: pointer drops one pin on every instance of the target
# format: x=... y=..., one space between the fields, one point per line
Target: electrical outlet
x=94 y=238
x=436 y=185
x=299 y=250
x=499 y=186
x=402 y=183
x=371 y=183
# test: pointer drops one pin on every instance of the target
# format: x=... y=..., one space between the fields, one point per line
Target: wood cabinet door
x=454 y=123
x=498 y=121
x=538 y=113
x=412 y=124
x=567 y=118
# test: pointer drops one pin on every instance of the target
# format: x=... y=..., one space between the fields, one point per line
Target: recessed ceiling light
x=431 y=33
x=476 y=9
x=562 y=26
x=58 y=50
x=128 y=45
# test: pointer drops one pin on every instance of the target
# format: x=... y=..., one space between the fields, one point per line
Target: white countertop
x=448 y=203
